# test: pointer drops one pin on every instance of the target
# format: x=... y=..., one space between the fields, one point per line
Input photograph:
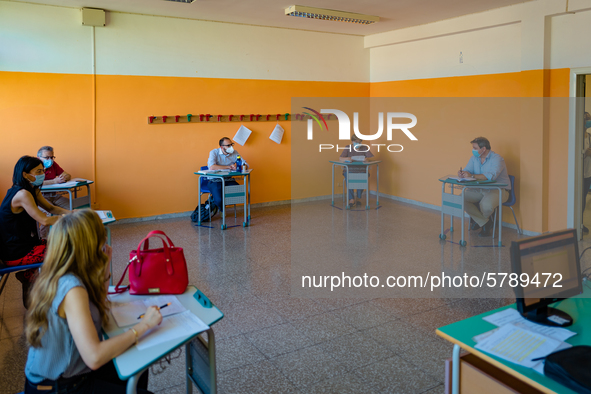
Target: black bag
x=571 y=367
x=205 y=208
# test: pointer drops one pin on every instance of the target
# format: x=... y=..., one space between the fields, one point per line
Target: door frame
x=575 y=162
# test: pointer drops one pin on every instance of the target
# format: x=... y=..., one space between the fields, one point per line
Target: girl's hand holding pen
x=152 y=317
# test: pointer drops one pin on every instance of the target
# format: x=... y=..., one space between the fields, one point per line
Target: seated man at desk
x=222 y=158
x=54 y=174
x=484 y=165
x=355 y=149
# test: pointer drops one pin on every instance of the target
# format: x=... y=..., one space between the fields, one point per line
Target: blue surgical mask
x=38 y=180
x=47 y=163
x=475 y=153
x=356 y=144
x=588 y=124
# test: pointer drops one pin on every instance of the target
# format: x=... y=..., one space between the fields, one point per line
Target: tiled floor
x=269 y=342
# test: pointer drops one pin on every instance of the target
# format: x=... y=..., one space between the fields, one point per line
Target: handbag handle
x=117 y=289
x=154 y=233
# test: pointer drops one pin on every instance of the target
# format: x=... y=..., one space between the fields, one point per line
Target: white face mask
x=230 y=150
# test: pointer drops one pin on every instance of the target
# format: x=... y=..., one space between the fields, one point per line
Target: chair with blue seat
x=5 y=272
x=509 y=203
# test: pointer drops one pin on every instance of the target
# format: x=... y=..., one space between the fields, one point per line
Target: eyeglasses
x=232 y=144
x=48 y=157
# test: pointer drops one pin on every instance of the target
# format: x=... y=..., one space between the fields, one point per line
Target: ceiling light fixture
x=330 y=15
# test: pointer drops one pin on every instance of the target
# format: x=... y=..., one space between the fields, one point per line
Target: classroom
x=139 y=101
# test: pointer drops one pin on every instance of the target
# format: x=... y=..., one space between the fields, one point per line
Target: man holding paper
x=484 y=165
x=223 y=158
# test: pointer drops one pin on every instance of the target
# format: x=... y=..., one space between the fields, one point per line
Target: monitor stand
x=549 y=317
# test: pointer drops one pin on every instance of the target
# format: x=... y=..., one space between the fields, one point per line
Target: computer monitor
x=551 y=262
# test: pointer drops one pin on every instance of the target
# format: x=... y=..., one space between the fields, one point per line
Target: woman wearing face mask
x=19 y=215
x=355 y=149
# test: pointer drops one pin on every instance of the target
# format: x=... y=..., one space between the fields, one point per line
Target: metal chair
x=204 y=189
x=509 y=203
x=5 y=272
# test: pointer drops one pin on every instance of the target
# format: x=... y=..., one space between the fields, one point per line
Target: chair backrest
x=203 y=181
x=511 y=201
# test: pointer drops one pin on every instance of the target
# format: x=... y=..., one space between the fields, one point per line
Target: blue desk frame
x=365 y=164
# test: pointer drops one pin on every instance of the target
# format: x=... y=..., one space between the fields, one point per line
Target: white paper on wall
x=242 y=135
x=277 y=134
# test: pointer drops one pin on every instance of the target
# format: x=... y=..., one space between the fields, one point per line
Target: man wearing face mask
x=223 y=158
x=484 y=165
x=355 y=149
x=54 y=174
x=19 y=216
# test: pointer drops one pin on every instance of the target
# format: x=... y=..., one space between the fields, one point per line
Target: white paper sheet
x=127 y=313
x=517 y=345
x=466 y=179
x=172 y=327
x=277 y=134
x=512 y=316
x=242 y=135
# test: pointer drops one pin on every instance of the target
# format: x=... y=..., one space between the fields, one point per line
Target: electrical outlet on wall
x=461 y=57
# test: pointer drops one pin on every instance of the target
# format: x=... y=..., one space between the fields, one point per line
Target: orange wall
x=538 y=156
x=145 y=170
x=45 y=109
x=142 y=169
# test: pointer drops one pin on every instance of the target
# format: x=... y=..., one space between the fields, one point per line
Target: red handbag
x=156 y=271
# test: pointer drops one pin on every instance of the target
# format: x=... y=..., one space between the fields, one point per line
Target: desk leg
x=245 y=202
x=132 y=383
x=212 y=365
x=71 y=200
x=463 y=241
x=367 y=191
x=332 y=195
x=199 y=203
x=188 y=368
x=500 y=215
x=441 y=234
x=224 y=203
x=248 y=176
x=455 y=371
x=377 y=186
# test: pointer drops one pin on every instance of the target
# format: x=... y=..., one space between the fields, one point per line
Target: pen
x=161 y=307
x=461 y=172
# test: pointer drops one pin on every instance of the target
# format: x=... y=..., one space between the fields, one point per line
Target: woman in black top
x=19 y=215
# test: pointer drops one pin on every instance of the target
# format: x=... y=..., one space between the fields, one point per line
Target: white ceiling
x=394 y=14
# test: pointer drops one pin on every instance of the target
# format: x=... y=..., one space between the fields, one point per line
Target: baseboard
x=308 y=199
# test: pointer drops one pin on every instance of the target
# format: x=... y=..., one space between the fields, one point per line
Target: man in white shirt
x=223 y=158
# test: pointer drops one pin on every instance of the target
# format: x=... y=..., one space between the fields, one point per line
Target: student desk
x=233 y=194
x=453 y=204
x=71 y=189
x=462 y=332
x=358 y=180
x=199 y=355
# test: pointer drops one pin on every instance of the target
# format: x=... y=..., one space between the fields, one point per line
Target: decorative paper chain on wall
x=203 y=118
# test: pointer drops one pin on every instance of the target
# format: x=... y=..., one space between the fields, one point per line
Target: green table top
x=355 y=163
x=578 y=307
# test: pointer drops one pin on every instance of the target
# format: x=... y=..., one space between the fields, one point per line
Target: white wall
x=486 y=51
x=38 y=38
x=529 y=36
